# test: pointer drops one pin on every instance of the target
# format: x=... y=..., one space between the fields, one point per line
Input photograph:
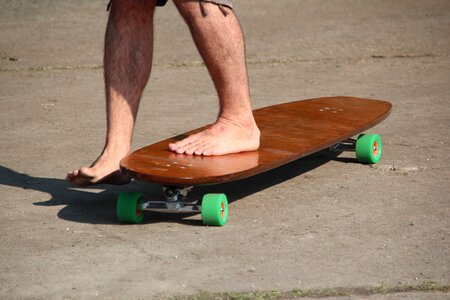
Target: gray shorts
x=227 y=3
x=218 y=2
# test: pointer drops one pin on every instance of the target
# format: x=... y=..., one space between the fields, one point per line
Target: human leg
x=218 y=37
x=127 y=65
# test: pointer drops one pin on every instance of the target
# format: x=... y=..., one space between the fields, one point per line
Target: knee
x=189 y=10
x=132 y=8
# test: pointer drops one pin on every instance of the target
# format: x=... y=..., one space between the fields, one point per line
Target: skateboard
x=289 y=131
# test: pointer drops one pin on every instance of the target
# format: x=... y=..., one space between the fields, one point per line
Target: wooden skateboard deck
x=289 y=131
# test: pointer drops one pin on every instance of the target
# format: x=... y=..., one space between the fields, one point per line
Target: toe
x=215 y=150
x=191 y=150
x=72 y=175
x=190 y=147
x=202 y=148
x=81 y=177
x=86 y=172
x=183 y=143
x=207 y=152
x=181 y=150
x=196 y=148
x=199 y=151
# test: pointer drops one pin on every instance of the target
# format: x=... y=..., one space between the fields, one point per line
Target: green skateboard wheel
x=214 y=209
x=368 y=148
x=129 y=207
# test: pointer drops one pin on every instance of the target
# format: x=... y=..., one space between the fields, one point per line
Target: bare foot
x=104 y=170
x=223 y=137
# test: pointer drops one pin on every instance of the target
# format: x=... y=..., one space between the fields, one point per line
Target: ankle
x=115 y=152
x=242 y=120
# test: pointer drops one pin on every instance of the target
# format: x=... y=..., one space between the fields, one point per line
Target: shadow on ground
x=96 y=205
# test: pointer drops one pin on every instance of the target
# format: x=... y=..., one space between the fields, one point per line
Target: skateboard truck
x=367 y=148
x=173 y=193
x=175 y=201
x=346 y=145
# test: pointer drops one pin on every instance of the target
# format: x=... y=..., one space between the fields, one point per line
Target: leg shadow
x=94 y=205
x=97 y=204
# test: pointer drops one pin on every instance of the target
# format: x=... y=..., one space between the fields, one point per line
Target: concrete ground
x=312 y=228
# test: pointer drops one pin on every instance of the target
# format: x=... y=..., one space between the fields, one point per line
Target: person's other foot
x=223 y=137
x=104 y=170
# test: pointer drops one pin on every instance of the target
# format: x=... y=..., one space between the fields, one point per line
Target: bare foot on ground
x=223 y=137
x=103 y=170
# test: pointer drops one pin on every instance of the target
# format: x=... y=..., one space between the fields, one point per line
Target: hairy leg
x=127 y=65
x=218 y=36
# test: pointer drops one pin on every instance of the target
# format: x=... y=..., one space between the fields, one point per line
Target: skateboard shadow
x=240 y=189
x=97 y=204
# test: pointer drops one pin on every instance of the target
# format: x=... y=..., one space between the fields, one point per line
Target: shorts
x=218 y=2
x=227 y=3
